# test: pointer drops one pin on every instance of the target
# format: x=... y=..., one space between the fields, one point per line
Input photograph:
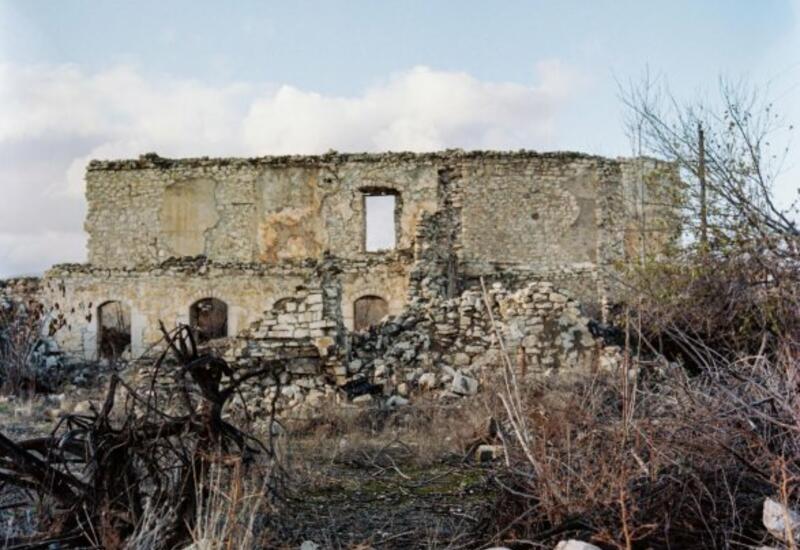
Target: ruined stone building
x=297 y=252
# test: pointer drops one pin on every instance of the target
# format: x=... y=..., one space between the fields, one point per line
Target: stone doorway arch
x=368 y=311
x=113 y=329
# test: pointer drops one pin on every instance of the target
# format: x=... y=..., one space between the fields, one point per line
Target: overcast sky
x=107 y=79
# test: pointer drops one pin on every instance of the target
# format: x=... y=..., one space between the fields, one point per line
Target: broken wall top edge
x=154 y=161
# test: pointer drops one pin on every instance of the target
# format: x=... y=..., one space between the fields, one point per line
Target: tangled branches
x=98 y=475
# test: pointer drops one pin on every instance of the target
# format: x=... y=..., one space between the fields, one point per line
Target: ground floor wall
x=298 y=322
x=167 y=295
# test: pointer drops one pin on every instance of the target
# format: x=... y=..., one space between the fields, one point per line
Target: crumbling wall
x=23 y=290
x=447 y=348
x=163 y=294
x=247 y=210
x=281 y=241
x=542 y=328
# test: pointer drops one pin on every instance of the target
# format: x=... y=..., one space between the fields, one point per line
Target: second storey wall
x=540 y=212
x=243 y=213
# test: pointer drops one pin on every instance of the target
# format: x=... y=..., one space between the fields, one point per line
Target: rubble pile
x=443 y=347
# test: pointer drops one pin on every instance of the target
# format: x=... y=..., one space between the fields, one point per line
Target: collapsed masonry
x=360 y=270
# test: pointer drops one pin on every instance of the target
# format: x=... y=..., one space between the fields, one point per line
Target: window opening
x=380 y=222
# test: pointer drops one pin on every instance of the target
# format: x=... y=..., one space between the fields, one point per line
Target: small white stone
x=775 y=517
x=464 y=385
x=573 y=544
x=83 y=407
x=427 y=381
x=396 y=401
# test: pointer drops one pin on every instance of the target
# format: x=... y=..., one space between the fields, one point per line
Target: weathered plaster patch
x=188 y=211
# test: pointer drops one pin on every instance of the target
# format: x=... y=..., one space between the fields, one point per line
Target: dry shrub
x=20 y=331
x=663 y=461
x=734 y=302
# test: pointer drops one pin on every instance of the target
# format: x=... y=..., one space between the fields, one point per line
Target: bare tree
x=726 y=148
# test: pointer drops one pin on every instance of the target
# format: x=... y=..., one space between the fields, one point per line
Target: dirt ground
x=387 y=479
x=384 y=498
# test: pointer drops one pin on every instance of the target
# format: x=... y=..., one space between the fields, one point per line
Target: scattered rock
x=354 y=366
x=82 y=407
x=396 y=401
x=309 y=545
x=363 y=399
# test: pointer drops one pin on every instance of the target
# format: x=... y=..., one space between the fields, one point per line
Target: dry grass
x=428 y=429
x=231 y=514
x=388 y=479
x=651 y=456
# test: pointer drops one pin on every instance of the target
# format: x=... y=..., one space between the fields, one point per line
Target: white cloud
x=22 y=254
x=417 y=110
x=59 y=117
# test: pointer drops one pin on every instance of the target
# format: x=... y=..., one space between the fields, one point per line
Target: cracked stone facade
x=281 y=241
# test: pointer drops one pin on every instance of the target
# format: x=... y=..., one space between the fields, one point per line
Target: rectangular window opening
x=380 y=222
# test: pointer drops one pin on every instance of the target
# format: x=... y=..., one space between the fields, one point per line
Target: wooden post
x=701 y=176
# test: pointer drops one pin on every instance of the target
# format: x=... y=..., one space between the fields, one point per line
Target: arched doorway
x=368 y=311
x=209 y=318
x=114 y=329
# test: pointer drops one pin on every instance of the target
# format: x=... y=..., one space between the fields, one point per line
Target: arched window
x=114 y=329
x=209 y=318
x=368 y=311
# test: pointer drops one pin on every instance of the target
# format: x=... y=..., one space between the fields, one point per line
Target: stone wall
x=167 y=292
x=539 y=210
x=257 y=232
x=246 y=210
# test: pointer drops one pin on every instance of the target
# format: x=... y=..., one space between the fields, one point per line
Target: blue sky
x=81 y=79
